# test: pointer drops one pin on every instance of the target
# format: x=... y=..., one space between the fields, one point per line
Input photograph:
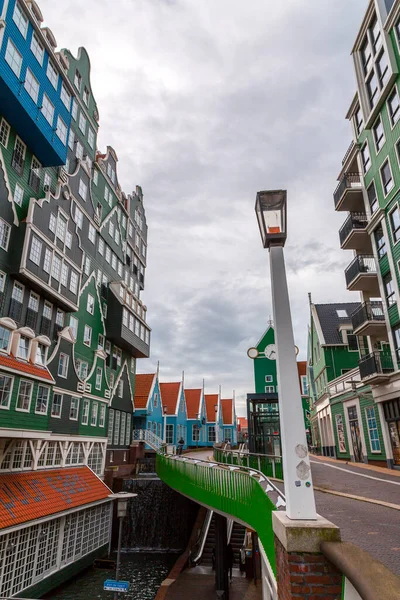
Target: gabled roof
x=193 y=398
x=227 y=411
x=57 y=489
x=143 y=385
x=211 y=400
x=9 y=362
x=330 y=321
x=170 y=396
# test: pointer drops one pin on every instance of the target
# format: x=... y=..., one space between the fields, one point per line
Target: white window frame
x=27 y=410
x=89 y=341
x=52 y=74
x=385 y=195
x=64 y=371
x=369 y=431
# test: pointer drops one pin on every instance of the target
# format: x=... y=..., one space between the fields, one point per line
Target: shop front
x=391 y=409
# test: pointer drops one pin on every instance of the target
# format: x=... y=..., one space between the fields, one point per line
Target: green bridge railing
x=270 y=465
x=229 y=490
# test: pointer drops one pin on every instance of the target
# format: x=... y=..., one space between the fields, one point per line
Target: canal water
x=144 y=571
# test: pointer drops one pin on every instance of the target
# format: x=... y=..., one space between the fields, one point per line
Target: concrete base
x=303 y=536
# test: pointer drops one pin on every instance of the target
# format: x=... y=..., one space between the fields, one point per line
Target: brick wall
x=306 y=576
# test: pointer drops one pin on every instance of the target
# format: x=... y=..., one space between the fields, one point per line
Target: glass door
x=355 y=434
x=394 y=431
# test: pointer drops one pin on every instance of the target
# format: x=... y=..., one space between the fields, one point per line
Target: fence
x=269 y=465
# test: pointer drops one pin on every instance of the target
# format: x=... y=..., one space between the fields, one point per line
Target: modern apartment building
x=72 y=324
x=368 y=191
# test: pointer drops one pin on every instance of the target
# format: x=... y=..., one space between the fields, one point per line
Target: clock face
x=270 y=352
x=252 y=352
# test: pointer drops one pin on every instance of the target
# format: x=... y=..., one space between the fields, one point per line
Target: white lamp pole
x=165 y=410
x=299 y=491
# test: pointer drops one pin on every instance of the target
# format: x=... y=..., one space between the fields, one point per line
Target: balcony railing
x=375 y=363
x=348 y=181
x=349 y=149
x=361 y=264
x=369 y=311
x=355 y=221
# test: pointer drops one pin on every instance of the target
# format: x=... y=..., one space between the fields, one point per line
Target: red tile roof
x=193 y=403
x=25 y=367
x=227 y=411
x=302 y=370
x=143 y=383
x=211 y=400
x=169 y=396
x=36 y=494
x=242 y=423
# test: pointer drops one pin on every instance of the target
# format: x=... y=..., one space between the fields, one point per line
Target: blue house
x=35 y=92
x=148 y=406
x=174 y=406
x=227 y=422
x=196 y=418
x=212 y=403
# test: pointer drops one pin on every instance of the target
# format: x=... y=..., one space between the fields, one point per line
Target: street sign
x=116 y=586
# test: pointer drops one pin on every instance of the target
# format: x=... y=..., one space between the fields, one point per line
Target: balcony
x=376 y=366
x=348 y=194
x=361 y=275
x=124 y=327
x=369 y=319
x=353 y=233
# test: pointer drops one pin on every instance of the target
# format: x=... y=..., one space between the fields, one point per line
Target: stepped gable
x=143 y=384
x=193 y=398
x=211 y=400
x=36 y=494
x=170 y=396
x=227 y=411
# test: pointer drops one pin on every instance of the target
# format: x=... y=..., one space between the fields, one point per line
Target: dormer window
x=5 y=335
x=40 y=358
x=23 y=347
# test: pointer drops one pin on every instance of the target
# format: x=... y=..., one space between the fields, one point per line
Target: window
x=42 y=399
x=123 y=427
x=92 y=233
x=79 y=150
x=82 y=123
x=18 y=292
x=4 y=132
x=36 y=250
x=40 y=358
x=68 y=239
x=111 y=228
x=6 y=384
x=2 y=281
x=82 y=189
x=77 y=80
x=389 y=290
x=87 y=265
x=78 y=217
x=56 y=268
x=386 y=176
x=4 y=338
x=269 y=389
x=169 y=431
x=380 y=241
x=86 y=95
x=95 y=177
x=100 y=344
x=64 y=275
x=5 y=230
x=342 y=313
x=211 y=434
x=366 y=55
x=116 y=428
x=340 y=433
x=372 y=429
x=396 y=339
x=13 y=58
x=74 y=409
x=90 y=304
x=85 y=412
x=47 y=310
x=99 y=375
x=47 y=109
x=117 y=236
x=372 y=89
x=394 y=107
x=358 y=121
x=31 y=85
x=56 y=405
x=53 y=223
x=33 y=302
x=20 y=20
x=60 y=317
x=73 y=325
x=61 y=227
x=91 y=142
x=304 y=385
x=379 y=134
x=24 y=395
x=365 y=157
x=372 y=198
x=394 y=219
x=383 y=69
x=61 y=130
x=63 y=365
x=23 y=347
x=121 y=389
x=65 y=97
x=52 y=74
x=87 y=336
x=95 y=408
x=73 y=282
x=81 y=368
x=352 y=341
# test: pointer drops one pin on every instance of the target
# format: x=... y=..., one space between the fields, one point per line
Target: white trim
x=369 y=433
x=387 y=160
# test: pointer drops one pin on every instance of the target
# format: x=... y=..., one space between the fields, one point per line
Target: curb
x=360 y=498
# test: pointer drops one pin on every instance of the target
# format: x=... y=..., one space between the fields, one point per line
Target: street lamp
x=165 y=410
x=300 y=501
x=216 y=425
x=122 y=507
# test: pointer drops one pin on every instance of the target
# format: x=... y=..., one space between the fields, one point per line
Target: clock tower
x=264 y=358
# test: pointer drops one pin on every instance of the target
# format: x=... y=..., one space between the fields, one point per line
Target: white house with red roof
x=196 y=417
x=174 y=406
x=227 y=421
x=148 y=404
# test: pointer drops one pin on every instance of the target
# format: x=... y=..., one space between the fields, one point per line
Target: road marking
x=354 y=473
x=360 y=498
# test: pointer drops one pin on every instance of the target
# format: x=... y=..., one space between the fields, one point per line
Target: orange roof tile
x=143 y=383
x=36 y=494
x=227 y=411
x=242 y=423
x=301 y=370
x=169 y=396
x=25 y=367
x=192 y=403
x=211 y=400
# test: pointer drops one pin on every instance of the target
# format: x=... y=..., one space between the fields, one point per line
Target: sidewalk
x=382 y=470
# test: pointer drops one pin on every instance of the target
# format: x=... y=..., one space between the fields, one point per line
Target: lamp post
x=216 y=413
x=165 y=410
x=198 y=417
x=122 y=506
x=300 y=502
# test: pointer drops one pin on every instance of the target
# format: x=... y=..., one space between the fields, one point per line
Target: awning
x=36 y=494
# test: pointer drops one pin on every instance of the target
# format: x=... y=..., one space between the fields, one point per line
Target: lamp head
x=271 y=216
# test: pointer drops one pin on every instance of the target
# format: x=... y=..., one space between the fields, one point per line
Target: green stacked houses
x=356 y=410
x=72 y=324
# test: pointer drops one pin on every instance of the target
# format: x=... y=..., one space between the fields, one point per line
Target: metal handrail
x=355 y=221
x=268 y=464
x=368 y=311
x=349 y=149
x=203 y=536
x=347 y=182
x=148 y=436
x=362 y=263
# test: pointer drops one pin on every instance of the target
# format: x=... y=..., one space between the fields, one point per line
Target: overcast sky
x=206 y=102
